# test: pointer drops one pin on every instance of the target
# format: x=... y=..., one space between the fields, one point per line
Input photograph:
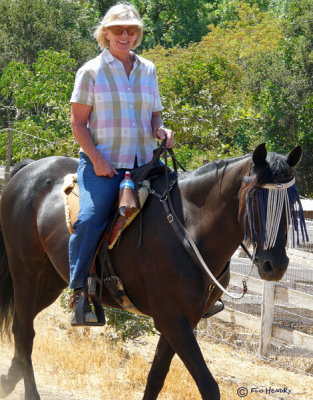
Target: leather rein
x=182 y=233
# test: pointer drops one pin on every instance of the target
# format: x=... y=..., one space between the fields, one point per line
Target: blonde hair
x=121 y=11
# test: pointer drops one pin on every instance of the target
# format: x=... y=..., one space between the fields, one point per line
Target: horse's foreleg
x=160 y=366
x=181 y=338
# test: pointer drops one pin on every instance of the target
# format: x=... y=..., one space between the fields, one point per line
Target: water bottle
x=127 y=200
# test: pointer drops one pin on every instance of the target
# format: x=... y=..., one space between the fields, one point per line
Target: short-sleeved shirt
x=122 y=106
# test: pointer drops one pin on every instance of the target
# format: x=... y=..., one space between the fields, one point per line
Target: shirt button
x=129 y=89
x=133 y=124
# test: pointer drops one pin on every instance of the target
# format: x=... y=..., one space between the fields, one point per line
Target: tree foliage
x=231 y=74
x=202 y=86
x=28 y=27
x=37 y=98
x=169 y=22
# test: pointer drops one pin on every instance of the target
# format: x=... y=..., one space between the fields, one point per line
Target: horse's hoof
x=33 y=396
x=5 y=388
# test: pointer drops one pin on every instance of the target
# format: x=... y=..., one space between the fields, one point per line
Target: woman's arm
x=80 y=114
x=159 y=131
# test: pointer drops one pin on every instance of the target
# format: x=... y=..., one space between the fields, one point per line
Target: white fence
x=273 y=295
x=278 y=315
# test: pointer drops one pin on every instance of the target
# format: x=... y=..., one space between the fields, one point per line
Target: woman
x=115 y=119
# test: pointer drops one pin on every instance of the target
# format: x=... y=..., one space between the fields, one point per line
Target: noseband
x=264 y=210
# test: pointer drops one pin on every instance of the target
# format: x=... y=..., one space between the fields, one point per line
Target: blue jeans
x=96 y=197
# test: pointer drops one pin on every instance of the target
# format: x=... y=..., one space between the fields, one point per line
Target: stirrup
x=217 y=307
x=83 y=309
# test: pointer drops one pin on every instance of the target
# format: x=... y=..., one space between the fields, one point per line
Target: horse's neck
x=210 y=207
x=218 y=185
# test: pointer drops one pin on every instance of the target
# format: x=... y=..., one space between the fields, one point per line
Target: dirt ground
x=46 y=392
x=82 y=364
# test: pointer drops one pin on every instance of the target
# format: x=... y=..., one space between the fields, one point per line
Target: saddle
x=71 y=205
x=102 y=261
x=102 y=271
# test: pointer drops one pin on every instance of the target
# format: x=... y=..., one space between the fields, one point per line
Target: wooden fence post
x=267 y=316
x=8 y=154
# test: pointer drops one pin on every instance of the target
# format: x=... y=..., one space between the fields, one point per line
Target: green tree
x=170 y=23
x=299 y=36
x=282 y=87
x=37 y=99
x=224 y=11
x=205 y=100
x=26 y=27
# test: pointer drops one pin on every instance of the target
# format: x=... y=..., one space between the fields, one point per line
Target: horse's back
x=23 y=193
x=32 y=211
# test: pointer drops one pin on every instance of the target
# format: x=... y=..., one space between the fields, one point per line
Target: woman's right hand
x=103 y=168
x=80 y=115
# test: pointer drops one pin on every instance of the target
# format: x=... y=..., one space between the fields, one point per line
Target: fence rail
x=259 y=317
x=293 y=297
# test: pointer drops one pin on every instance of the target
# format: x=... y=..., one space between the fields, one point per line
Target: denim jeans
x=96 y=197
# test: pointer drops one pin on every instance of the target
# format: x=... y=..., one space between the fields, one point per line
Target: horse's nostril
x=267 y=266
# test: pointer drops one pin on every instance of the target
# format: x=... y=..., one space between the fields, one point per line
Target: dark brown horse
x=160 y=277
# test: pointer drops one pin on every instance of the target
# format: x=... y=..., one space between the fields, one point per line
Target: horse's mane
x=211 y=167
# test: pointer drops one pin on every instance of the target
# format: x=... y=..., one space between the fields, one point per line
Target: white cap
x=129 y=22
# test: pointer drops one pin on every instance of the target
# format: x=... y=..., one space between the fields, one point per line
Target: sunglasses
x=118 y=30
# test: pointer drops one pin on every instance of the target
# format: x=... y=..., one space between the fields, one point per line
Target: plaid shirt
x=120 y=120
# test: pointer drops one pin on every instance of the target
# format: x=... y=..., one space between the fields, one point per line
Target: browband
x=286 y=185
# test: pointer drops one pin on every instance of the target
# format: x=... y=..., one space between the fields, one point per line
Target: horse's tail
x=6 y=282
x=20 y=165
x=6 y=290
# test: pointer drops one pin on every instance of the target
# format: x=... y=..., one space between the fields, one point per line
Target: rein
x=180 y=230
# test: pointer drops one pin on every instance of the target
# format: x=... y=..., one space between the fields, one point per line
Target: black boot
x=82 y=313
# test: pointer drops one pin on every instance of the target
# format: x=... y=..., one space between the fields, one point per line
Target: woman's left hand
x=163 y=133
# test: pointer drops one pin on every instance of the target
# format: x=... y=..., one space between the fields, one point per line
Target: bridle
x=265 y=204
x=185 y=238
x=276 y=188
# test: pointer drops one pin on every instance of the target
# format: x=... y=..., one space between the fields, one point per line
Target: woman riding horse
x=160 y=277
x=115 y=119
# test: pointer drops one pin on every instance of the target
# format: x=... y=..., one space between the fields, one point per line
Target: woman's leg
x=96 y=197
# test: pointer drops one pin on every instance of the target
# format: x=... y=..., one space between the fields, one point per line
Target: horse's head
x=272 y=203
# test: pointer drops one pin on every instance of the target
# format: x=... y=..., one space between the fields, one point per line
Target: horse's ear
x=294 y=156
x=259 y=154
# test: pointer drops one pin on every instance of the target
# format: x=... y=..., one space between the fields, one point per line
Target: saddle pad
x=70 y=193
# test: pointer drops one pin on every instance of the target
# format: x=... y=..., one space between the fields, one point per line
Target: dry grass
x=86 y=363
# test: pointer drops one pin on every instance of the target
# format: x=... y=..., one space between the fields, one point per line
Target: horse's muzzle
x=270 y=267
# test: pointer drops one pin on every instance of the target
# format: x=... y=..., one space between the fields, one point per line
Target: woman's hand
x=163 y=133
x=103 y=168
x=80 y=115
x=159 y=131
